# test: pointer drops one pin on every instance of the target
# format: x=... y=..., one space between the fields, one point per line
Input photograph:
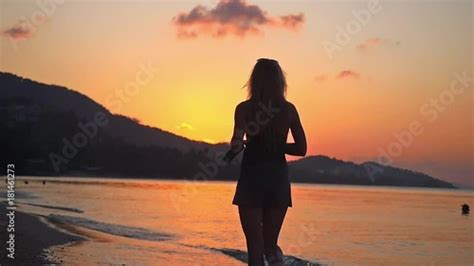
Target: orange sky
x=356 y=82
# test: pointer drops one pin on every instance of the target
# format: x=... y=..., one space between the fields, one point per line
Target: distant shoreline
x=148 y=178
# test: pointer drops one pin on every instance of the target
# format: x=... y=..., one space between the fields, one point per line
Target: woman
x=263 y=192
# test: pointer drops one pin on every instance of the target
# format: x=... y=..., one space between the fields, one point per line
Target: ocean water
x=148 y=222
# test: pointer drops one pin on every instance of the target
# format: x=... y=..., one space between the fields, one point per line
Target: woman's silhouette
x=263 y=192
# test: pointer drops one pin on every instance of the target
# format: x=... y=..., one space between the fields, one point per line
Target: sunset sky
x=359 y=72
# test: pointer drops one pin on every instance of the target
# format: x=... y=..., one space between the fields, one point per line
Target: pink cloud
x=373 y=43
x=231 y=17
x=341 y=75
x=344 y=74
x=294 y=21
x=18 y=32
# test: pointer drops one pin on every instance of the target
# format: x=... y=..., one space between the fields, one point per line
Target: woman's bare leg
x=272 y=222
x=251 y=220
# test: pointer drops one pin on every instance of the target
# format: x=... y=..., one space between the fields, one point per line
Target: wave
x=113 y=229
x=53 y=207
x=242 y=256
x=25 y=195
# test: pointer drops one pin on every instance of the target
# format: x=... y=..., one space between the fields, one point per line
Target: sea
x=178 y=222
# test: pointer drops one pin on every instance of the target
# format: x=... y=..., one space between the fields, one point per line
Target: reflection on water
x=340 y=225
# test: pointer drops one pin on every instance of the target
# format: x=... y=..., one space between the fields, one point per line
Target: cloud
x=373 y=43
x=345 y=74
x=341 y=75
x=185 y=126
x=320 y=77
x=18 y=32
x=231 y=17
x=292 y=21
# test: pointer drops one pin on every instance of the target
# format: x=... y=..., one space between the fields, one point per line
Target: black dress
x=264 y=180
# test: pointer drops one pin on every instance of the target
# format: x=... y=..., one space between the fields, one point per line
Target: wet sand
x=32 y=238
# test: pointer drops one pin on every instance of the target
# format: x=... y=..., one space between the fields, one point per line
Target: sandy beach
x=32 y=238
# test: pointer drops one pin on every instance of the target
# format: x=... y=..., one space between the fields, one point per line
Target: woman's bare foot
x=275 y=257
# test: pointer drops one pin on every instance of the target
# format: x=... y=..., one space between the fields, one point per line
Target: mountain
x=65 y=100
x=322 y=169
x=52 y=130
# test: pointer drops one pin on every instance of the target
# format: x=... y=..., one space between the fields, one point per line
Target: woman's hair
x=267 y=82
x=266 y=87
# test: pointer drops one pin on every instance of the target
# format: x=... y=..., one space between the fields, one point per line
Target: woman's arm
x=299 y=147
x=237 y=141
